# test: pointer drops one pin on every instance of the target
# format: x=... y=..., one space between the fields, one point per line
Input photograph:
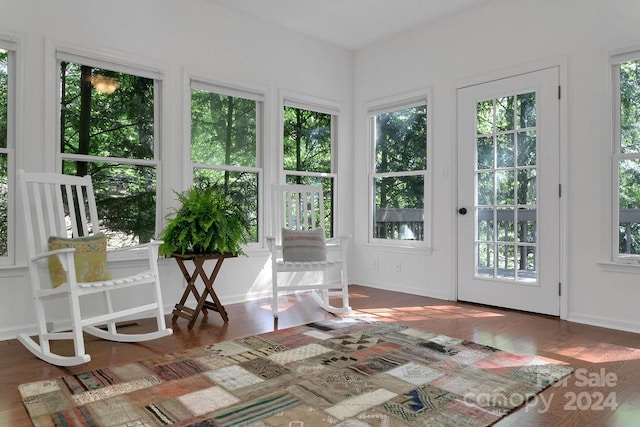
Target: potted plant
x=207 y=222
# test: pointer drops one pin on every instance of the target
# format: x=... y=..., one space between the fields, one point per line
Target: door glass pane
x=504 y=113
x=485 y=259
x=485 y=152
x=485 y=225
x=506 y=190
x=505 y=225
x=504 y=187
x=484 y=117
x=526 y=110
x=504 y=155
x=506 y=262
x=527 y=148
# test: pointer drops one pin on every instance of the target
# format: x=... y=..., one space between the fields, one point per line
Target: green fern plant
x=207 y=222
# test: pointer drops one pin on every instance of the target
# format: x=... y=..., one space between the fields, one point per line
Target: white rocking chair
x=301 y=247
x=54 y=206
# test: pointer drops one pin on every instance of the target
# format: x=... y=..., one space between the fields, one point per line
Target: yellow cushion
x=90 y=259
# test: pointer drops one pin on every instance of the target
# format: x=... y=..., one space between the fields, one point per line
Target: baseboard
x=604 y=322
x=403 y=289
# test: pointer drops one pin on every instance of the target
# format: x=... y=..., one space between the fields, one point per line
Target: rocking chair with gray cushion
x=301 y=247
x=68 y=261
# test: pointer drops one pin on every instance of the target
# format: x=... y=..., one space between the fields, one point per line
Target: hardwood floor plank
x=590 y=349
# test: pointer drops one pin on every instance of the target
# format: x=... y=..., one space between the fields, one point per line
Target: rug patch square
x=233 y=377
x=415 y=373
x=208 y=400
x=300 y=353
x=356 y=404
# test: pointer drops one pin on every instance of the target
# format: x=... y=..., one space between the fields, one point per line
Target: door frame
x=561 y=64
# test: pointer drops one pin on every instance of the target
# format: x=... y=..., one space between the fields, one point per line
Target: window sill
x=403 y=249
x=9 y=271
x=618 y=267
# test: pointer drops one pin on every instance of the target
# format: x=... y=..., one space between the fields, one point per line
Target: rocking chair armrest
x=47 y=254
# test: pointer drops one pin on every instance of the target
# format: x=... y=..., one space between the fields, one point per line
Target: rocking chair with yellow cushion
x=68 y=261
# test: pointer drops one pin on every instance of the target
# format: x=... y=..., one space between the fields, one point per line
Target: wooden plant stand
x=191 y=314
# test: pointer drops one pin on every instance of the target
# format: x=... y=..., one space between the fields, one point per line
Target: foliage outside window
x=224 y=147
x=108 y=130
x=5 y=154
x=307 y=154
x=627 y=158
x=400 y=173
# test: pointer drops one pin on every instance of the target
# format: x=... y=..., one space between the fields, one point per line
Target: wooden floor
x=604 y=390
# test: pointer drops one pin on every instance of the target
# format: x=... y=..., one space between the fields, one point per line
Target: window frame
x=388 y=105
x=122 y=65
x=203 y=84
x=10 y=44
x=615 y=60
x=322 y=106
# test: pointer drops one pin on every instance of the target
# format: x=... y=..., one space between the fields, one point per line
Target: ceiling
x=351 y=24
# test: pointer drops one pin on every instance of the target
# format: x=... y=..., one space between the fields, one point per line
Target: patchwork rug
x=342 y=372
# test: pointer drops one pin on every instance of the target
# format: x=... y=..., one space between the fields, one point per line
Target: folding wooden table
x=180 y=310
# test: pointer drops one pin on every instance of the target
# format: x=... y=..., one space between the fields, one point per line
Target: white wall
x=179 y=38
x=500 y=38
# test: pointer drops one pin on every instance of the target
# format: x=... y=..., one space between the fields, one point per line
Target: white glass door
x=508 y=193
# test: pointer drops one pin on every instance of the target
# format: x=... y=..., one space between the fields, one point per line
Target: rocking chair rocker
x=67 y=260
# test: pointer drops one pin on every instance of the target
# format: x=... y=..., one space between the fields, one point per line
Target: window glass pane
x=401 y=140
x=399 y=208
x=241 y=186
x=223 y=129
x=630 y=107
x=106 y=113
x=328 y=190
x=125 y=198
x=111 y=114
x=307 y=140
x=4 y=208
x=4 y=96
x=629 y=207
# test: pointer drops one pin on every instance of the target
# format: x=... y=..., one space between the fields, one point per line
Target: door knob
x=462 y=211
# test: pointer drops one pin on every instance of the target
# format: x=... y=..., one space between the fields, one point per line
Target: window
x=109 y=130
x=626 y=157
x=308 y=144
x=7 y=67
x=400 y=173
x=226 y=128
